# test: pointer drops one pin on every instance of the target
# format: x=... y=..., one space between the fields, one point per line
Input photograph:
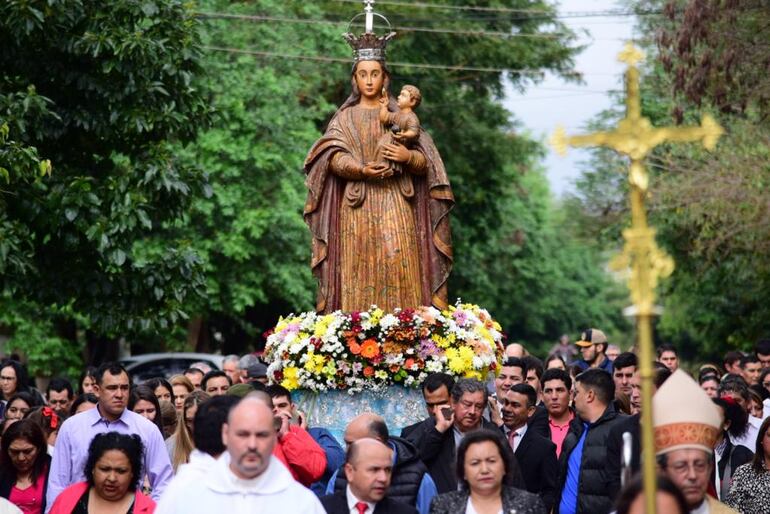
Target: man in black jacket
x=535 y=454
x=437 y=440
x=368 y=467
x=410 y=482
x=584 y=484
x=435 y=392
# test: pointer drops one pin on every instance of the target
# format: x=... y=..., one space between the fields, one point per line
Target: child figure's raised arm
x=384 y=113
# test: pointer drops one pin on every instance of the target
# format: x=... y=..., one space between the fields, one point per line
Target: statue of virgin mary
x=378 y=238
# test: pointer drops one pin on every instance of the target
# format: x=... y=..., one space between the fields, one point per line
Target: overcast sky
x=555 y=102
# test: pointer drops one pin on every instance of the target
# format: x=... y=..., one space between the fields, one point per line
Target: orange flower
x=355 y=348
x=368 y=371
x=394 y=368
x=370 y=349
x=409 y=363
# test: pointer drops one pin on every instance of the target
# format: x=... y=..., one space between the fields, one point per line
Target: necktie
x=361 y=506
x=512 y=438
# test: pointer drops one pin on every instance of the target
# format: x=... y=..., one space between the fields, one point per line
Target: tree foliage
x=710 y=208
x=100 y=90
x=154 y=208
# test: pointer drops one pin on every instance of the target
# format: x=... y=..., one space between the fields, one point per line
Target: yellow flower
x=290 y=381
x=473 y=374
x=467 y=355
x=376 y=316
x=315 y=363
x=320 y=328
x=441 y=342
x=455 y=361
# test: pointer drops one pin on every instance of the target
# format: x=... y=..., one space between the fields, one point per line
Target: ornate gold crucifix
x=635 y=137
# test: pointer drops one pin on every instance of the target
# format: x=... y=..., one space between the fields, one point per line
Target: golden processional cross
x=635 y=137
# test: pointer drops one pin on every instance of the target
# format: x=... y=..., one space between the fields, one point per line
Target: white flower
x=296 y=348
x=478 y=362
x=388 y=321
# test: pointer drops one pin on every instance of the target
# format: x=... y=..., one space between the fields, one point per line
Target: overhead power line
x=320 y=58
x=512 y=10
x=310 y=21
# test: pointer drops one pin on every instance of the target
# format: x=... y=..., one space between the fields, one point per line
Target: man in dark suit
x=368 y=466
x=437 y=440
x=435 y=392
x=535 y=454
x=515 y=371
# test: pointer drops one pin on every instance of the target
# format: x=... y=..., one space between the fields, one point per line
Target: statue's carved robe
x=378 y=241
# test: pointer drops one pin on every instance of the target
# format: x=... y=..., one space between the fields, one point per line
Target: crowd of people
x=560 y=435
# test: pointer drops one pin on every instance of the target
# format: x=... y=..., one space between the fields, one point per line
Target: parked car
x=151 y=365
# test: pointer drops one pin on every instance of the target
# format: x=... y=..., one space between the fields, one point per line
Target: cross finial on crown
x=368 y=46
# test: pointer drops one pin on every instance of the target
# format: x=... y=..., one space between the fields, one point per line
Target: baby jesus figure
x=404 y=124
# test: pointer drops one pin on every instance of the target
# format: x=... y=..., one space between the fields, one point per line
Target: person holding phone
x=438 y=442
x=308 y=452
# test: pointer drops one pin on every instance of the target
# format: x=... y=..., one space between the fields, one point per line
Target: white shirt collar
x=702 y=509
x=352 y=500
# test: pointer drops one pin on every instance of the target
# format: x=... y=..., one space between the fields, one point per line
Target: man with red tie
x=368 y=468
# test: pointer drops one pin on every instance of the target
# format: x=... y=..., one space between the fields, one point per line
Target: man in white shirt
x=247 y=478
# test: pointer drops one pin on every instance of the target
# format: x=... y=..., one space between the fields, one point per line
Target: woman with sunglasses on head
x=24 y=466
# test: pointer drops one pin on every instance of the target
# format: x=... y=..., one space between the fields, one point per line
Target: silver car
x=151 y=365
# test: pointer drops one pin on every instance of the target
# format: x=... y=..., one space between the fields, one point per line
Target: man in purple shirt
x=110 y=415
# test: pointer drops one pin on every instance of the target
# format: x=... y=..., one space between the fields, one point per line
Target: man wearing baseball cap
x=593 y=348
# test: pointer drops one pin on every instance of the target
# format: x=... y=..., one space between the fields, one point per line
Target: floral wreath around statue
x=353 y=351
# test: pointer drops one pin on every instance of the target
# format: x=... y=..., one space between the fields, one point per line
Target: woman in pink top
x=24 y=465
x=113 y=471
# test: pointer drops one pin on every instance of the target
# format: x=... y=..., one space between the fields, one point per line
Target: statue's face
x=369 y=79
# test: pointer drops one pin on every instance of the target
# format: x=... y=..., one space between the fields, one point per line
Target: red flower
x=409 y=363
x=368 y=371
x=406 y=316
x=355 y=317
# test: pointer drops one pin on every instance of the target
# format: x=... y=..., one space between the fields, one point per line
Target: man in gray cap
x=257 y=372
x=593 y=347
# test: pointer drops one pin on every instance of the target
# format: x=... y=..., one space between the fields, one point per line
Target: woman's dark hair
x=90 y=371
x=130 y=445
x=81 y=399
x=760 y=390
x=33 y=434
x=143 y=392
x=157 y=382
x=512 y=475
x=735 y=414
x=762 y=377
x=554 y=357
x=22 y=379
x=758 y=463
x=27 y=398
x=634 y=488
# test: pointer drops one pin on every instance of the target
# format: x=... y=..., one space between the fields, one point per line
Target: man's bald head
x=515 y=350
x=368 y=468
x=249 y=436
x=366 y=425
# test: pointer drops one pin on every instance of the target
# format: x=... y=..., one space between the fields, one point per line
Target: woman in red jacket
x=113 y=471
